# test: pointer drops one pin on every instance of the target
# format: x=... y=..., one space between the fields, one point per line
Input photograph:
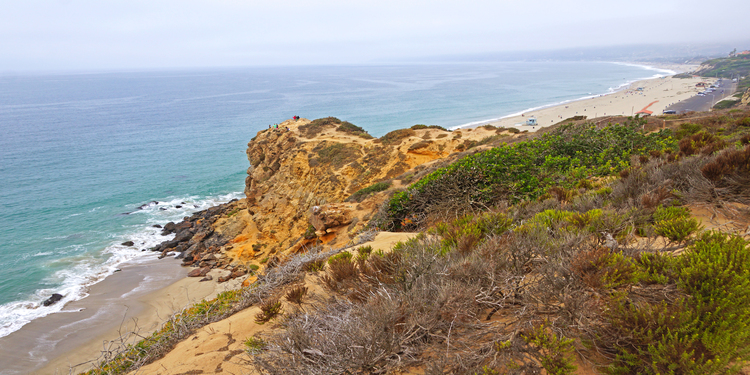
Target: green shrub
x=315 y=266
x=670 y=213
x=687 y=129
x=554 y=352
x=468 y=231
x=344 y=256
x=599 y=268
x=526 y=170
x=703 y=142
x=675 y=223
x=706 y=330
x=363 y=252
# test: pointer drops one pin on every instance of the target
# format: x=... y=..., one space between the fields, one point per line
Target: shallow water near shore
x=112 y=305
x=80 y=153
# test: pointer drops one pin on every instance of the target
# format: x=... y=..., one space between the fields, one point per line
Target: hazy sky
x=102 y=34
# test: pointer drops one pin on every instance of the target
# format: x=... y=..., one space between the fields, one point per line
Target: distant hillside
x=728 y=67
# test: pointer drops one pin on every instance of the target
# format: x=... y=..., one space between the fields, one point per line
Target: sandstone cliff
x=310 y=183
x=312 y=168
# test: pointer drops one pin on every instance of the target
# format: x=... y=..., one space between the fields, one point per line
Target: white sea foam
x=146 y=285
x=82 y=271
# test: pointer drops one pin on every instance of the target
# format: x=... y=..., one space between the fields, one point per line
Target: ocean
x=89 y=161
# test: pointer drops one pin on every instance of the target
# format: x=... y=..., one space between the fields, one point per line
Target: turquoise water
x=80 y=153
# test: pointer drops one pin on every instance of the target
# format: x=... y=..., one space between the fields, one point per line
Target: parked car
x=669 y=112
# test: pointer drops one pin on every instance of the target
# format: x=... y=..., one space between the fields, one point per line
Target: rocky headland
x=311 y=183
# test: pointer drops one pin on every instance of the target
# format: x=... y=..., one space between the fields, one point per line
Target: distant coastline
x=575 y=107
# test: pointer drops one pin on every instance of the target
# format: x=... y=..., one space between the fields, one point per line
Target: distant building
x=744 y=53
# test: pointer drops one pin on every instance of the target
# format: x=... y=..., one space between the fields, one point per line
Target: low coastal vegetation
x=578 y=248
x=361 y=194
x=316 y=127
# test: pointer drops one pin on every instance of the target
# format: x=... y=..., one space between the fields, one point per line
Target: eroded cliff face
x=302 y=165
x=745 y=98
x=300 y=178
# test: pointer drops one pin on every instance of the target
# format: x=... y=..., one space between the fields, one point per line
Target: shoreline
x=576 y=107
x=139 y=299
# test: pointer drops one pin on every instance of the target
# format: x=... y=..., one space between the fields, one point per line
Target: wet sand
x=139 y=298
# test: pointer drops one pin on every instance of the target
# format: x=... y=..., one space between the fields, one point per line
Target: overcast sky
x=135 y=34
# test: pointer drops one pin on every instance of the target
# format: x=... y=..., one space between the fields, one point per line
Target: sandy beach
x=652 y=94
x=139 y=298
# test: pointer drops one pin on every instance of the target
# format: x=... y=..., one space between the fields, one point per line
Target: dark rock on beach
x=196 y=242
x=52 y=300
x=199 y=272
x=128 y=243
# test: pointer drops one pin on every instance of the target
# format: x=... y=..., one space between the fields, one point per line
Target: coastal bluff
x=311 y=183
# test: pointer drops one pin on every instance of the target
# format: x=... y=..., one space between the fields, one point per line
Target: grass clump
x=254 y=345
x=703 y=142
x=349 y=128
x=423 y=126
x=675 y=223
x=268 y=310
x=465 y=233
x=363 y=253
x=295 y=294
x=317 y=126
x=336 y=154
x=397 y=136
x=555 y=352
x=362 y=194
